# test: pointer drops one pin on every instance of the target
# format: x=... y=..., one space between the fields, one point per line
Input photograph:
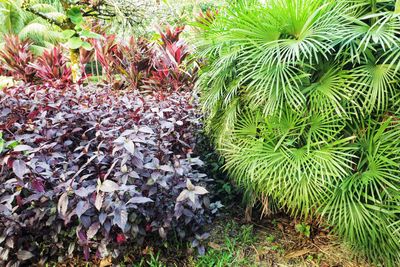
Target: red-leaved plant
x=15 y=57
x=170 y=72
x=52 y=67
x=158 y=68
x=135 y=64
x=108 y=54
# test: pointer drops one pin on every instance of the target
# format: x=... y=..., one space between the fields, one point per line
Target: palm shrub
x=302 y=101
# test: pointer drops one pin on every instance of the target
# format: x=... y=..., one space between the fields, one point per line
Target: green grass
x=231 y=253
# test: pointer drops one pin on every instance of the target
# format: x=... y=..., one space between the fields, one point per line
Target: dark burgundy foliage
x=170 y=35
x=94 y=170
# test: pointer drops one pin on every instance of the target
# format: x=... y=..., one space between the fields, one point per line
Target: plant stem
x=373 y=11
x=74 y=57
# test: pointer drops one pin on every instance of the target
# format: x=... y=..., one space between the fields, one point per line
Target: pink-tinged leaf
x=109 y=186
x=20 y=168
x=140 y=200
x=63 y=204
x=37 y=185
x=130 y=146
x=121 y=239
x=92 y=231
x=198 y=190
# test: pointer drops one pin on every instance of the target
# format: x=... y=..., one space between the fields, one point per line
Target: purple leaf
x=139 y=200
x=109 y=186
x=130 y=146
x=81 y=208
x=92 y=231
x=99 y=201
x=120 y=217
x=20 y=168
x=24 y=255
x=37 y=185
x=62 y=205
x=21 y=148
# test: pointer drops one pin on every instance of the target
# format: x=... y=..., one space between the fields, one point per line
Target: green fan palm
x=302 y=100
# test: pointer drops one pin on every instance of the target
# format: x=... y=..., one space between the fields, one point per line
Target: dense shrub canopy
x=90 y=169
x=302 y=98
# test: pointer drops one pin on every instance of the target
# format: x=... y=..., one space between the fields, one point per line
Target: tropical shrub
x=140 y=64
x=15 y=58
x=131 y=61
x=302 y=101
x=52 y=66
x=171 y=72
x=92 y=170
x=20 y=63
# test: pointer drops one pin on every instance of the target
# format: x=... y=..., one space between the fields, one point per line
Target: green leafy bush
x=302 y=101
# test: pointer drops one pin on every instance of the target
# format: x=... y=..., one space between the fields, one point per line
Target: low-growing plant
x=94 y=171
x=303 y=229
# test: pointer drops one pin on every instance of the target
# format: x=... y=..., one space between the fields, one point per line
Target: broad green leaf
x=89 y=34
x=75 y=15
x=74 y=43
x=1 y=143
x=87 y=46
x=68 y=34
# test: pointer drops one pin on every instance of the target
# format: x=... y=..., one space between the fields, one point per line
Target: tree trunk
x=75 y=68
